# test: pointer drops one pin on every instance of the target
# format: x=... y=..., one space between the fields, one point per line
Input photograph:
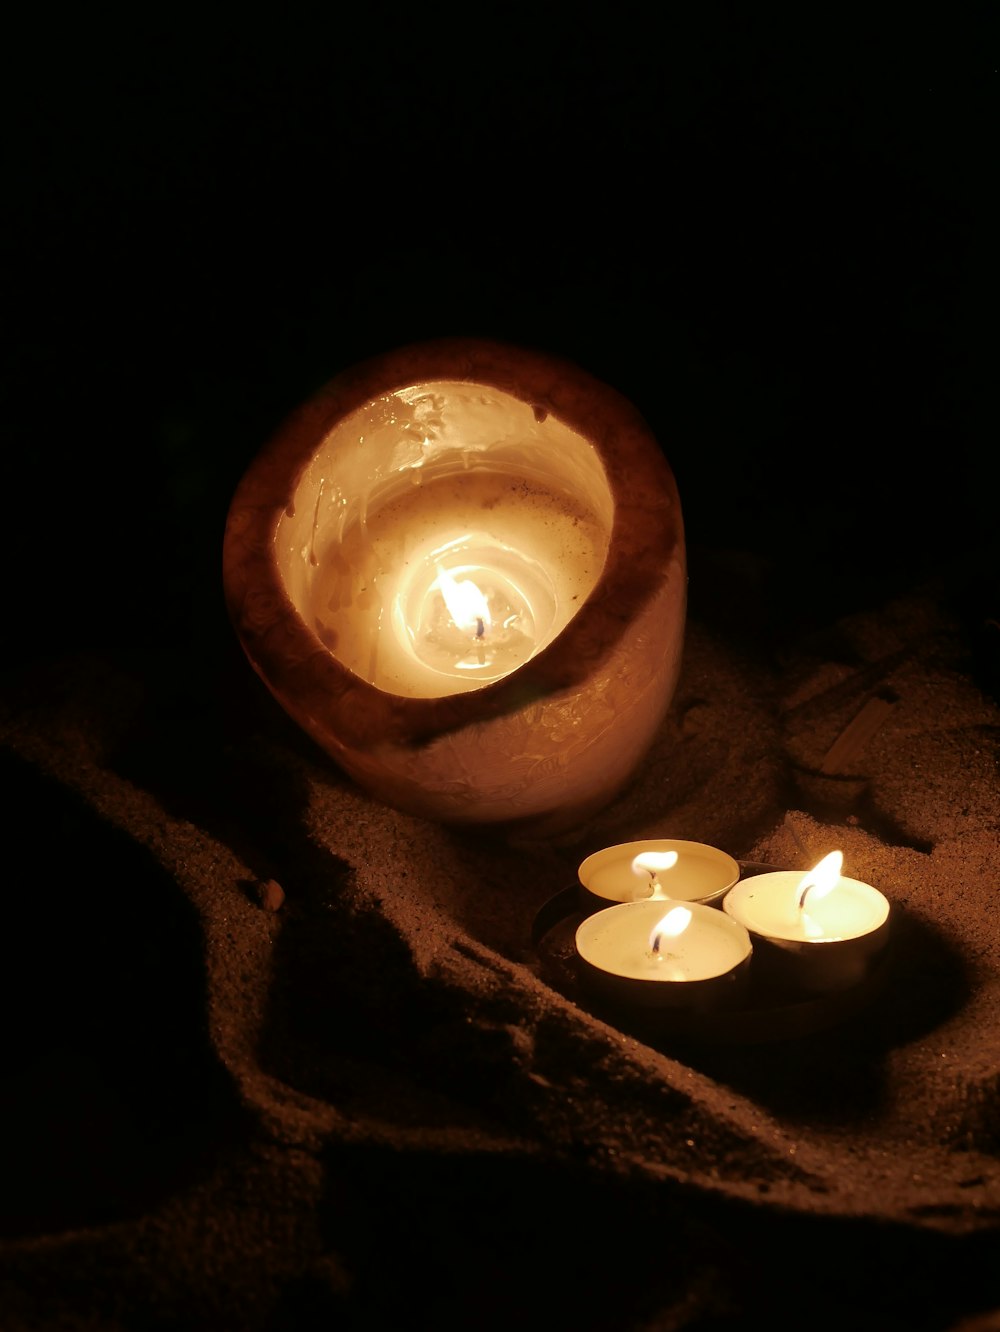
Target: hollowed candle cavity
x=454 y=578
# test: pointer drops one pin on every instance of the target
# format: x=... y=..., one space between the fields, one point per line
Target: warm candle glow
x=472 y=619
x=467 y=606
x=651 y=862
x=675 y=922
x=821 y=879
x=452 y=583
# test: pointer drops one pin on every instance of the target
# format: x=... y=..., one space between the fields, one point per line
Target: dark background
x=775 y=232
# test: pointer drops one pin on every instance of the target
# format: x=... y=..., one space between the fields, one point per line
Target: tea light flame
x=821 y=878
x=651 y=862
x=675 y=922
x=466 y=604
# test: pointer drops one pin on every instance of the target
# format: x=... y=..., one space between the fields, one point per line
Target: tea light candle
x=633 y=871
x=819 y=930
x=663 y=954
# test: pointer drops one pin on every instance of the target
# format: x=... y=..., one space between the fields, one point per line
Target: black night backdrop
x=773 y=231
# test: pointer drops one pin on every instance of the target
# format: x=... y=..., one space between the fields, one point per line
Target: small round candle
x=632 y=871
x=820 y=930
x=662 y=954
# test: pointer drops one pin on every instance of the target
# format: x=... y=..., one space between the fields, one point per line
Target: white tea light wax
x=658 y=953
x=631 y=871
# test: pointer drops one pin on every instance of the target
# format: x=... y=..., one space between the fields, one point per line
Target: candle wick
x=480 y=627
x=655 y=946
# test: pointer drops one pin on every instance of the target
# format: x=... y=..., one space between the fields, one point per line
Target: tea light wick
x=821 y=878
x=651 y=863
x=675 y=922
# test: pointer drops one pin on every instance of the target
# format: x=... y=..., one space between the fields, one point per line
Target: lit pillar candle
x=633 y=871
x=662 y=954
x=818 y=931
x=465 y=461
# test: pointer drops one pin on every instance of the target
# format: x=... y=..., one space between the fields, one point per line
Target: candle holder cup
x=794 y=967
x=460 y=568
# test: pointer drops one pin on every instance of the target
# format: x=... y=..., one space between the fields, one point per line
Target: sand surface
x=280 y=1052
